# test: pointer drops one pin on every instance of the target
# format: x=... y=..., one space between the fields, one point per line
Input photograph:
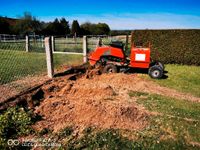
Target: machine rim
x=156 y=73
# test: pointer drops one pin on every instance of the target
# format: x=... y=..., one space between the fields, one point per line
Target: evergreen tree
x=76 y=30
x=65 y=26
x=4 y=26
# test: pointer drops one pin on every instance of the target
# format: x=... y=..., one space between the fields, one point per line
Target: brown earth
x=13 y=88
x=83 y=98
x=100 y=101
x=84 y=103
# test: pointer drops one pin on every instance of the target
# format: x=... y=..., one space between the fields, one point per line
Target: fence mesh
x=36 y=44
x=65 y=44
x=93 y=42
x=16 y=63
x=20 y=69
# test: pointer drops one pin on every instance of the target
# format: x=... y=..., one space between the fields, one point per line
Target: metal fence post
x=27 y=43
x=85 y=49
x=49 y=57
x=53 y=43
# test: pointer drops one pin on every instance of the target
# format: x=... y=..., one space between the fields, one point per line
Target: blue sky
x=119 y=14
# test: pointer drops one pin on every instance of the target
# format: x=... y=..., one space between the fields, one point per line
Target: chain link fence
x=19 y=69
x=93 y=42
x=65 y=44
x=16 y=63
x=22 y=68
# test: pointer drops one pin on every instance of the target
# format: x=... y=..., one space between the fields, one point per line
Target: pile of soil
x=88 y=102
x=97 y=100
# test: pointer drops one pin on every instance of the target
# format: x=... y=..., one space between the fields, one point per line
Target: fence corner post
x=126 y=45
x=53 y=43
x=49 y=57
x=85 y=49
x=27 y=43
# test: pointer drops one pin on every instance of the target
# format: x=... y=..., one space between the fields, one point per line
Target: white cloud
x=138 y=21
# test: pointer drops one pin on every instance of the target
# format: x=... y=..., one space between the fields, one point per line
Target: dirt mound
x=100 y=101
x=83 y=113
x=84 y=103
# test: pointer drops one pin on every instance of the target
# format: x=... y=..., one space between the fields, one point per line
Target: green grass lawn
x=182 y=78
x=17 y=64
x=177 y=122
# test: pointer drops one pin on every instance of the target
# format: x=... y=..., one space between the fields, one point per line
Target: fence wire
x=21 y=69
x=15 y=62
x=64 y=44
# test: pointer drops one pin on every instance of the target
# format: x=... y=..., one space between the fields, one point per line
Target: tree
x=4 y=26
x=86 y=28
x=65 y=26
x=95 y=29
x=76 y=30
x=102 y=28
x=57 y=27
x=53 y=28
x=27 y=25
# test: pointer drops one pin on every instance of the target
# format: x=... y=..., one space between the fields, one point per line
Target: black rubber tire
x=161 y=65
x=158 y=63
x=110 y=68
x=155 y=72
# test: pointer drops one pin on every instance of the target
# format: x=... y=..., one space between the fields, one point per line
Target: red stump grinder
x=112 y=59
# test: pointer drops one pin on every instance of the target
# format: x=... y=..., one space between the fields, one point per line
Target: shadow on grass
x=144 y=71
x=73 y=70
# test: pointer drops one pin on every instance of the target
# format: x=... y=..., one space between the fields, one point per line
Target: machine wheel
x=155 y=72
x=98 y=65
x=161 y=65
x=110 y=68
x=158 y=63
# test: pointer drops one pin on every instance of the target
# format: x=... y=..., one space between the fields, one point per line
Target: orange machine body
x=105 y=51
x=140 y=57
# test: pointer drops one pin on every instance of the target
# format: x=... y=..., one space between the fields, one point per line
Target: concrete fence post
x=99 y=44
x=132 y=38
x=85 y=49
x=4 y=37
x=53 y=43
x=27 y=43
x=126 y=45
x=49 y=57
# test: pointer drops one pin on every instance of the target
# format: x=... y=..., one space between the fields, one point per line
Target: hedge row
x=171 y=46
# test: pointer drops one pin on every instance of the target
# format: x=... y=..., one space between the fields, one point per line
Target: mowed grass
x=17 y=64
x=182 y=78
x=176 y=120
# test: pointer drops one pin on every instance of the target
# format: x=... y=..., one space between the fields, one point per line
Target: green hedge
x=172 y=46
